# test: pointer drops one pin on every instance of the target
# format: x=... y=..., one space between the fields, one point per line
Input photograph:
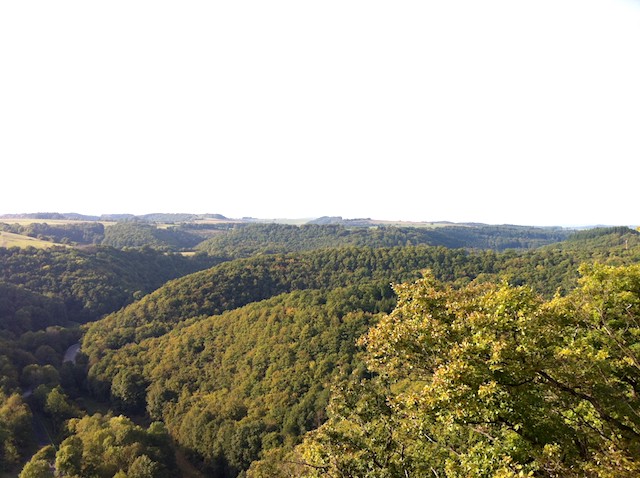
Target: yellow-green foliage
x=491 y=381
x=238 y=380
x=236 y=283
x=241 y=385
x=15 y=429
x=102 y=446
x=249 y=380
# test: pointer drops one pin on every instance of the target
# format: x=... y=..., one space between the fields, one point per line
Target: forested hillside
x=264 y=341
x=41 y=289
x=237 y=283
x=251 y=379
x=44 y=295
x=135 y=234
x=31 y=334
x=232 y=240
x=250 y=239
x=220 y=355
x=489 y=381
x=92 y=282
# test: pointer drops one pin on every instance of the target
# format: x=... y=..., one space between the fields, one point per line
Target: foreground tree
x=37 y=469
x=15 y=429
x=107 y=446
x=490 y=381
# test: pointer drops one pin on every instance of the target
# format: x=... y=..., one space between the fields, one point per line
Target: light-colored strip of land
x=57 y=222
x=8 y=239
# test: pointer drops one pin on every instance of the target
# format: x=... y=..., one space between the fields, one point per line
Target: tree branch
x=601 y=411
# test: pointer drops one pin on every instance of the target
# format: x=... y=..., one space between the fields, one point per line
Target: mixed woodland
x=226 y=349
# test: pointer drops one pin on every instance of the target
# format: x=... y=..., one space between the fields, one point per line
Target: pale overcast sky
x=524 y=112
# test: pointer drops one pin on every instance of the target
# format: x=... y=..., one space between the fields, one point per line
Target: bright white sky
x=524 y=112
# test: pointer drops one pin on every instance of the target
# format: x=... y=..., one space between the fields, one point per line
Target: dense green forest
x=44 y=296
x=92 y=282
x=250 y=379
x=235 y=240
x=134 y=234
x=323 y=350
x=236 y=283
x=249 y=239
x=489 y=380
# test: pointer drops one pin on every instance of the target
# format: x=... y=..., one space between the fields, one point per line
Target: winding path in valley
x=71 y=353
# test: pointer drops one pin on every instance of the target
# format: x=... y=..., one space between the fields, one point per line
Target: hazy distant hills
x=221 y=236
x=153 y=217
x=181 y=218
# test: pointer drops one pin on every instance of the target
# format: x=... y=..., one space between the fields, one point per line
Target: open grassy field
x=8 y=239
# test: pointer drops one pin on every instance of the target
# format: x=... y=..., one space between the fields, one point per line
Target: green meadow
x=8 y=239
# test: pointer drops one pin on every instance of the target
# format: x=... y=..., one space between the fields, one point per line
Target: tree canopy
x=107 y=446
x=494 y=381
x=245 y=240
x=494 y=363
